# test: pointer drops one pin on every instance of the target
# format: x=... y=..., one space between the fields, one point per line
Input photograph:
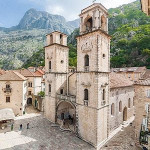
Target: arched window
x=129 y=103
x=89 y=24
x=61 y=39
x=103 y=23
x=86 y=94
x=50 y=65
x=86 y=60
x=112 y=109
x=120 y=106
x=103 y=95
x=49 y=88
x=51 y=39
x=86 y=63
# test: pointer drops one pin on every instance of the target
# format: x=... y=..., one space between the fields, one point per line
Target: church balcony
x=70 y=98
x=86 y=68
x=7 y=90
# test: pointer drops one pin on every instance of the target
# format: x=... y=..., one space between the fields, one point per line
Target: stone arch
x=66 y=115
x=88 y=23
x=103 y=22
x=125 y=114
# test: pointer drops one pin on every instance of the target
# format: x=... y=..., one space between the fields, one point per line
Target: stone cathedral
x=80 y=100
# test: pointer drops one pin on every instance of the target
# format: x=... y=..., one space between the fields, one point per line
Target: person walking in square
x=12 y=127
x=20 y=126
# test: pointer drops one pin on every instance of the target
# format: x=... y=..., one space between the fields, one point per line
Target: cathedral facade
x=82 y=101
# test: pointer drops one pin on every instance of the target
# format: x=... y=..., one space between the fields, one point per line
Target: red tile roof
x=12 y=76
x=118 y=80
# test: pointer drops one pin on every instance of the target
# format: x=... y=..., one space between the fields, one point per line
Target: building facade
x=13 y=92
x=81 y=100
x=133 y=73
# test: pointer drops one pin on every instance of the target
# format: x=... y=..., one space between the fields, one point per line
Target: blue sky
x=11 y=11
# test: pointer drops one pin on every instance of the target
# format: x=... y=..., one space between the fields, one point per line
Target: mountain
x=43 y=20
x=34 y=19
x=128 y=26
x=75 y=23
x=19 y=43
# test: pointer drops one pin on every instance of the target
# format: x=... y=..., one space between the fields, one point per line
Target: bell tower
x=93 y=67
x=56 y=68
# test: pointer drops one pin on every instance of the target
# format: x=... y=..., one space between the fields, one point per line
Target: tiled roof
x=146 y=75
x=143 y=82
x=118 y=80
x=27 y=73
x=40 y=72
x=129 y=69
x=12 y=76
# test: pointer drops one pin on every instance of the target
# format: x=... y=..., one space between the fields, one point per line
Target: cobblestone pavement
x=40 y=136
x=124 y=140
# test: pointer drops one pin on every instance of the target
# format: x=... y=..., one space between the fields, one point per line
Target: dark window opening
x=7 y=86
x=103 y=95
x=89 y=24
x=7 y=99
x=86 y=95
x=49 y=88
x=86 y=59
x=61 y=91
x=61 y=39
x=50 y=65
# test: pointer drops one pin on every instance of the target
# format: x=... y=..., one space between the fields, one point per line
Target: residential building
x=142 y=97
x=13 y=92
x=133 y=73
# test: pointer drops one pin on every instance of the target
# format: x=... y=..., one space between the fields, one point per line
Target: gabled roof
x=145 y=82
x=12 y=76
x=119 y=80
x=146 y=75
x=27 y=73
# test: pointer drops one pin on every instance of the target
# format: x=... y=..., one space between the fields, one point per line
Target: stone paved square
x=40 y=136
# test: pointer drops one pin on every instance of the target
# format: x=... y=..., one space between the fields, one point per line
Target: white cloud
x=55 y=9
x=70 y=9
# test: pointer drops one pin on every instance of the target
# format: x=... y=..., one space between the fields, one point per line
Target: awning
x=6 y=114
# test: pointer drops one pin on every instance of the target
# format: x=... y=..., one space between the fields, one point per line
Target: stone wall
x=116 y=95
x=140 y=100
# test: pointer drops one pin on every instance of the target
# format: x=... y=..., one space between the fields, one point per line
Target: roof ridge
x=19 y=75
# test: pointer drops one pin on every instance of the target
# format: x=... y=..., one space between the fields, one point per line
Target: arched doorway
x=29 y=101
x=125 y=114
x=66 y=115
